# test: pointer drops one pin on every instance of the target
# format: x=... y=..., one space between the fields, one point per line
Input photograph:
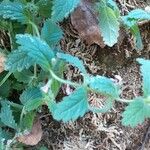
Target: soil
x=101 y=131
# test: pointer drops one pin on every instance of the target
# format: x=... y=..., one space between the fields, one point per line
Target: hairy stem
x=15 y=105
x=35 y=71
x=78 y=85
x=63 y=81
x=21 y=117
x=12 y=37
x=5 y=78
x=35 y=28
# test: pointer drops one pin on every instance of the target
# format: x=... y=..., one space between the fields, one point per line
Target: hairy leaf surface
x=72 y=106
x=114 y=6
x=27 y=121
x=73 y=61
x=145 y=70
x=36 y=48
x=25 y=76
x=135 y=113
x=134 y=16
x=138 y=14
x=31 y=98
x=104 y=85
x=13 y=11
x=7 y=116
x=17 y=61
x=51 y=32
x=5 y=87
x=45 y=7
x=4 y=24
x=108 y=24
x=61 y=8
x=137 y=37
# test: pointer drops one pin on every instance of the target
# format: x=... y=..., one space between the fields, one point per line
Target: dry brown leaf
x=34 y=136
x=2 y=60
x=85 y=21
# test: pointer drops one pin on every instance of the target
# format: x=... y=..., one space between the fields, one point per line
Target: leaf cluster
x=35 y=64
x=110 y=21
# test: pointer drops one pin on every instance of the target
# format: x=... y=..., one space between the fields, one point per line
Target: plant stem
x=5 y=78
x=11 y=36
x=35 y=71
x=21 y=117
x=78 y=85
x=35 y=28
x=15 y=105
x=62 y=80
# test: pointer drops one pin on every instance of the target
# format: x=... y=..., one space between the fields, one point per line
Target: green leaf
x=51 y=105
x=51 y=32
x=4 y=25
x=18 y=86
x=134 y=16
x=73 y=61
x=109 y=24
x=58 y=68
x=13 y=11
x=61 y=9
x=145 y=71
x=135 y=113
x=29 y=94
x=18 y=60
x=5 y=134
x=55 y=87
x=45 y=7
x=27 y=121
x=7 y=116
x=114 y=6
x=32 y=98
x=36 y=48
x=6 y=87
x=72 y=106
x=104 y=85
x=137 y=37
x=25 y=76
x=138 y=14
x=128 y=23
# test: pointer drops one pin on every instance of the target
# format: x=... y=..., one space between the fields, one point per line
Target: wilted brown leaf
x=34 y=136
x=85 y=21
x=2 y=59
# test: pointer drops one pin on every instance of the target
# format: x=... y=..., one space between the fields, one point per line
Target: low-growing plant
x=33 y=66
